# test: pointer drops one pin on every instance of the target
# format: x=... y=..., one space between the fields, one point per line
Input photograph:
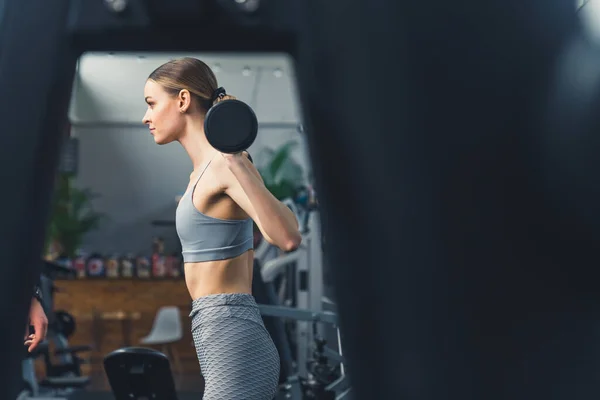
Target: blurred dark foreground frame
x=465 y=251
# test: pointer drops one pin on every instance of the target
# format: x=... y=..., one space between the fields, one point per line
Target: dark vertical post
x=456 y=277
x=36 y=72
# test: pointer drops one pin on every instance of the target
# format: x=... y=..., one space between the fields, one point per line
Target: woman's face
x=163 y=117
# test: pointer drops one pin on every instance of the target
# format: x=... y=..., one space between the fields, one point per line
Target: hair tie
x=218 y=93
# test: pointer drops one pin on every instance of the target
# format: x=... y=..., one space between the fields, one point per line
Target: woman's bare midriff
x=233 y=275
x=223 y=276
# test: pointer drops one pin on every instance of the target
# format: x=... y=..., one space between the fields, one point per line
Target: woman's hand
x=232 y=159
x=37 y=318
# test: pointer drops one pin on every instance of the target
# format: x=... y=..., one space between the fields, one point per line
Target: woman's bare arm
x=276 y=221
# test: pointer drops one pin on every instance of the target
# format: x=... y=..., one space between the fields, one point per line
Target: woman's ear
x=184 y=100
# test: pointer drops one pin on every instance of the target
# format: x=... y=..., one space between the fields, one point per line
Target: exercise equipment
x=30 y=386
x=326 y=377
x=49 y=387
x=66 y=373
x=318 y=371
x=139 y=373
x=230 y=126
x=303 y=270
x=65 y=323
x=61 y=379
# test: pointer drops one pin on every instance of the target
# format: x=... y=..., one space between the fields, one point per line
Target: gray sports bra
x=205 y=238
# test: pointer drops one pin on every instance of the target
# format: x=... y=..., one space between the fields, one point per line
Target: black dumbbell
x=230 y=126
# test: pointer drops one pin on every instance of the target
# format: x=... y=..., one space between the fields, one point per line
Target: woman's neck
x=197 y=147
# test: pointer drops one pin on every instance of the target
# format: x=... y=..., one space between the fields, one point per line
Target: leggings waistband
x=223 y=299
x=226 y=305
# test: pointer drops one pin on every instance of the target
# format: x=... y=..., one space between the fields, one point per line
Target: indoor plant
x=72 y=217
x=282 y=174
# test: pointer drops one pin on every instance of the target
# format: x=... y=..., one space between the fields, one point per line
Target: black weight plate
x=66 y=323
x=230 y=126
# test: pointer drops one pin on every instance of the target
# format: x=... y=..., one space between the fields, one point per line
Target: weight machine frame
x=308 y=281
x=341 y=385
x=461 y=275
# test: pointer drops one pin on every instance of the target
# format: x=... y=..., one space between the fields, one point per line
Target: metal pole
x=36 y=73
x=456 y=277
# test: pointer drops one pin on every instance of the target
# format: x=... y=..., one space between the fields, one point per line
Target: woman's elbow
x=287 y=243
x=292 y=242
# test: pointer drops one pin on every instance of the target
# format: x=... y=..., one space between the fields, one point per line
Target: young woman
x=214 y=222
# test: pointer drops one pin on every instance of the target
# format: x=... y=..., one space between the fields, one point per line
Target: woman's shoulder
x=222 y=169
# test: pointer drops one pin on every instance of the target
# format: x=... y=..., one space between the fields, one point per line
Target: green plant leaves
x=72 y=215
x=281 y=173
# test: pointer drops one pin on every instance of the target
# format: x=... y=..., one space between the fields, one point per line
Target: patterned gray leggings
x=237 y=356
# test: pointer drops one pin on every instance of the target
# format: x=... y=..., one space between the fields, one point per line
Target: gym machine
x=64 y=377
x=60 y=326
x=472 y=197
x=139 y=373
x=308 y=273
x=56 y=388
x=323 y=380
x=319 y=371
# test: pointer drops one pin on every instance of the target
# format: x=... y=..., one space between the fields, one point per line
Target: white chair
x=166 y=331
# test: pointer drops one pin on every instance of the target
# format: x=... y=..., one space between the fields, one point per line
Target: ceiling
x=109 y=86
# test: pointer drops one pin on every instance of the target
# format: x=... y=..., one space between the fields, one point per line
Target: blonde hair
x=191 y=74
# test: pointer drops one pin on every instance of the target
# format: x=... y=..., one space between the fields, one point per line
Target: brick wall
x=82 y=297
